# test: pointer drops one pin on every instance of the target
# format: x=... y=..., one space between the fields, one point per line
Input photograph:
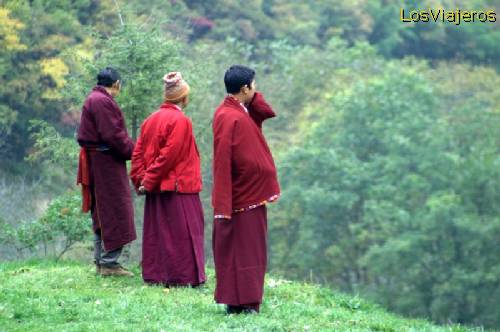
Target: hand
x=142 y=190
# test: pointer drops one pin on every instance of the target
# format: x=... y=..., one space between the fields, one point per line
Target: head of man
x=176 y=89
x=240 y=82
x=110 y=79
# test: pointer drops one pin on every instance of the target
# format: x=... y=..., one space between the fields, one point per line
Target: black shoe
x=200 y=285
x=233 y=309
x=249 y=311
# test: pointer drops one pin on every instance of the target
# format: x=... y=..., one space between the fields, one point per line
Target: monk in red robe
x=166 y=168
x=245 y=180
x=102 y=172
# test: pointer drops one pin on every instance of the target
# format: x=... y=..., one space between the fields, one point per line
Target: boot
x=249 y=311
x=233 y=309
x=117 y=270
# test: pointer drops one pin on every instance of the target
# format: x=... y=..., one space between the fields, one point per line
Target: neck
x=180 y=105
x=239 y=97
x=109 y=90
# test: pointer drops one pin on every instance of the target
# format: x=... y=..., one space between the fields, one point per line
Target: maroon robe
x=243 y=166
x=172 y=245
x=103 y=133
x=244 y=179
x=240 y=256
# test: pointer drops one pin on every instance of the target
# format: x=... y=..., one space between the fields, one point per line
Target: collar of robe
x=233 y=101
x=102 y=89
x=168 y=105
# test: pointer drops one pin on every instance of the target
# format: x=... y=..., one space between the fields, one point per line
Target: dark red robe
x=244 y=180
x=103 y=133
x=240 y=256
x=172 y=245
x=243 y=166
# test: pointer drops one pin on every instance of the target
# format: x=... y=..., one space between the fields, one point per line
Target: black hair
x=107 y=77
x=237 y=77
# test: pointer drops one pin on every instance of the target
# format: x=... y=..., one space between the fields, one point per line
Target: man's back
x=102 y=124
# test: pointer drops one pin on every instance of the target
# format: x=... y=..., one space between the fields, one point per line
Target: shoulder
x=227 y=114
x=181 y=119
x=174 y=116
x=150 y=118
x=170 y=119
x=97 y=95
x=99 y=99
x=224 y=122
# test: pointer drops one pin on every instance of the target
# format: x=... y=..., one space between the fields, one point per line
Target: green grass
x=68 y=296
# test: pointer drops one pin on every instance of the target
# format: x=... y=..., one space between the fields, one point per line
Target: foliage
x=56 y=69
x=57 y=154
x=9 y=32
x=43 y=295
x=56 y=231
x=34 y=75
x=391 y=190
x=57 y=31
x=9 y=43
x=20 y=199
x=130 y=50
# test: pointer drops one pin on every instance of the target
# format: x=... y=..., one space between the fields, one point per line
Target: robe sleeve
x=222 y=186
x=138 y=169
x=111 y=128
x=259 y=109
x=175 y=137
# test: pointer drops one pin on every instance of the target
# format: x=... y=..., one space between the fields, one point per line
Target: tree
x=33 y=76
x=142 y=56
x=10 y=43
x=391 y=191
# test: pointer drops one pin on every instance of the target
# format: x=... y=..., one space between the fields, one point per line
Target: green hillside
x=68 y=296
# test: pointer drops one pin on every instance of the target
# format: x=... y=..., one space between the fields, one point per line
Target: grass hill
x=68 y=296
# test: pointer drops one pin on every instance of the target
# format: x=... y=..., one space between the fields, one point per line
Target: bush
x=59 y=228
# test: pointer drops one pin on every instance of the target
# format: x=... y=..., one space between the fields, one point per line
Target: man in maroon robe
x=245 y=180
x=166 y=168
x=105 y=147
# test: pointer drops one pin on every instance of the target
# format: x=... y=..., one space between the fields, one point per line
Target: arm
x=111 y=128
x=222 y=186
x=259 y=109
x=169 y=153
x=138 y=169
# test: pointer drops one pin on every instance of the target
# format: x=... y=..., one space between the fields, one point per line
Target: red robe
x=166 y=161
x=102 y=132
x=244 y=179
x=166 y=157
x=243 y=166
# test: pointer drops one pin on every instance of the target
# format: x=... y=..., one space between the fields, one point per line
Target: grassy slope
x=68 y=296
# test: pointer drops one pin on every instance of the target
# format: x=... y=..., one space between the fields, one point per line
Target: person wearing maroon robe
x=244 y=180
x=105 y=147
x=166 y=168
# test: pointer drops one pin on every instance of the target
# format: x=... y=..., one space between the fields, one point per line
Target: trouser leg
x=97 y=247
x=110 y=258
x=105 y=258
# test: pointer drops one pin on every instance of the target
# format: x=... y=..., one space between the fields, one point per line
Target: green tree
x=391 y=191
x=142 y=56
x=33 y=70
